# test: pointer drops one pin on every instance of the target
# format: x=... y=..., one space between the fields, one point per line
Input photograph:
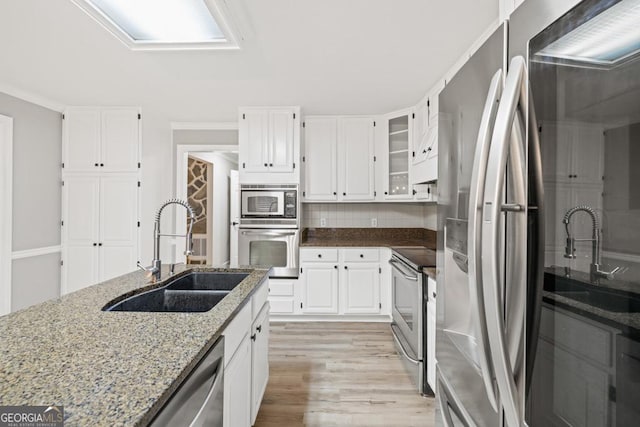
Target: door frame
x=6 y=214
x=182 y=161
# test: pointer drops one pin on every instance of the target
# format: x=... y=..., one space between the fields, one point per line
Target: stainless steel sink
x=191 y=293
x=596 y=296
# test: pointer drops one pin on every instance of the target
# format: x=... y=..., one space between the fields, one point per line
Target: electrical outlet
x=374 y=222
x=323 y=222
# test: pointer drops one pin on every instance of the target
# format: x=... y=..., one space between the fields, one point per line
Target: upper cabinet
x=339 y=159
x=269 y=140
x=101 y=139
x=424 y=153
x=397 y=156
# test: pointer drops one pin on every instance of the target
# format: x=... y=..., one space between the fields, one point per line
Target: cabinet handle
x=335 y=194
x=95 y=164
x=335 y=266
x=319 y=255
x=95 y=244
x=344 y=194
x=253 y=337
x=386 y=193
x=345 y=267
x=434 y=294
x=429 y=149
x=265 y=165
x=101 y=165
x=570 y=176
x=361 y=256
x=270 y=165
x=259 y=328
x=99 y=244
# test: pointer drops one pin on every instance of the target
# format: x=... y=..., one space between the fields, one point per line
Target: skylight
x=605 y=40
x=163 y=24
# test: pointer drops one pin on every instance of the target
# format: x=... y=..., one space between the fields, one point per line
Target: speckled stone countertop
x=386 y=237
x=628 y=323
x=108 y=368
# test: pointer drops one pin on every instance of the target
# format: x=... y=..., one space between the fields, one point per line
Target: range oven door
x=270 y=247
x=263 y=203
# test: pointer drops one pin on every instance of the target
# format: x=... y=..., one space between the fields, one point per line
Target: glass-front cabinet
x=399 y=141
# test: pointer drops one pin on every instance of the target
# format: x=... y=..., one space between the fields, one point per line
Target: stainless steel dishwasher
x=199 y=399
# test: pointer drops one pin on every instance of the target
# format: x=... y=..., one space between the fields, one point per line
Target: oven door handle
x=403 y=273
x=401 y=347
x=269 y=233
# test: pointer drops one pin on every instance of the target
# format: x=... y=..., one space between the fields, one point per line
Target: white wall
x=359 y=215
x=219 y=216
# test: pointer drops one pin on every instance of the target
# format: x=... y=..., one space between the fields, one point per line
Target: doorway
x=6 y=183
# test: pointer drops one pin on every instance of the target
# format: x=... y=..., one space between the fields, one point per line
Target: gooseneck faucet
x=570 y=248
x=154 y=269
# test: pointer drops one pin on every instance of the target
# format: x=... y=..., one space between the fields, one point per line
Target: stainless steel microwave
x=269 y=206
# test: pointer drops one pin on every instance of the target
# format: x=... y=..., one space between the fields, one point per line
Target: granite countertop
x=627 y=322
x=386 y=237
x=108 y=368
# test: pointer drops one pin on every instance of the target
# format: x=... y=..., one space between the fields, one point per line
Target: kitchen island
x=109 y=368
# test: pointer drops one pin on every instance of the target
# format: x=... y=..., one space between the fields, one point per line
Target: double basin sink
x=191 y=293
x=612 y=300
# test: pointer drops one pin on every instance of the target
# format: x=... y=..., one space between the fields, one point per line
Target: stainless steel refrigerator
x=538 y=320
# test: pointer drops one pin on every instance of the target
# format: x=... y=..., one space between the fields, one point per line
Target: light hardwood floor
x=339 y=374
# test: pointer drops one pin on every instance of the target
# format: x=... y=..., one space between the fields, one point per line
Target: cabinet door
x=587 y=162
x=320 y=288
x=253 y=135
x=81 y=144
x=360 y=288
x=556 y=145
x=237 y=387
x=259 y=360
x=355 y=159
x=118 y=225
x=80 y=233
x=281 y=141
x=320 y=159
x=119 y=143
x=420 y=132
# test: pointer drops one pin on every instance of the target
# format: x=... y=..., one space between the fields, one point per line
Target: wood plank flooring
x=339 y=374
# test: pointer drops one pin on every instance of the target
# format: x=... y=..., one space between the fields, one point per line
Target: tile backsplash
x=362 y=215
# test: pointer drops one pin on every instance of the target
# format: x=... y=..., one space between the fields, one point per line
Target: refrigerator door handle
x=535 y=278
x=476 y=193
x=506 y=143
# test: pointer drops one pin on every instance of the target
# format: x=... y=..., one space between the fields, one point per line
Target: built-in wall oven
x=269 y=233
x=408 y=327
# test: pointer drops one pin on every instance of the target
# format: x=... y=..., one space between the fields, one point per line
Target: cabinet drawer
x=281 y=305
x=259 y=298
x=319 y=255
x=281 y=288
x=236 y=331
x=360 y=255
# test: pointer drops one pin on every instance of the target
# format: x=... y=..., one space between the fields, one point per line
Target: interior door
x=234 y=215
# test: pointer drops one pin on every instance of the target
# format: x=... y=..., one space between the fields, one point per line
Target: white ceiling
x=329 y=56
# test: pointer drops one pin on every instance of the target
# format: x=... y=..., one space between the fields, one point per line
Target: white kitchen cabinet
x=360 y=288
x=320 y=159
x=343 y=173
x=283 y=295
x=259 y=359
x=572 y=152
x=343 y=281
x=356 y=172
x=431 y=334
x=269 y=142
x=237 y=387
x=426 y=129
x=397 y=156
x=100 y=228
x=319 y=288
x=101 y=139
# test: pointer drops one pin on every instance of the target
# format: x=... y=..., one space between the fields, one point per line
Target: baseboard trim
x=329 y=318
x=30 y=253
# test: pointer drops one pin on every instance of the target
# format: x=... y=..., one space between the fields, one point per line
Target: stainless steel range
x=410 y=296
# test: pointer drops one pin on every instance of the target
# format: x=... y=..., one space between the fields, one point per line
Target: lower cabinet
x=246 y=358
x=340 y=281
x=259 y=360
x=237 y=387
